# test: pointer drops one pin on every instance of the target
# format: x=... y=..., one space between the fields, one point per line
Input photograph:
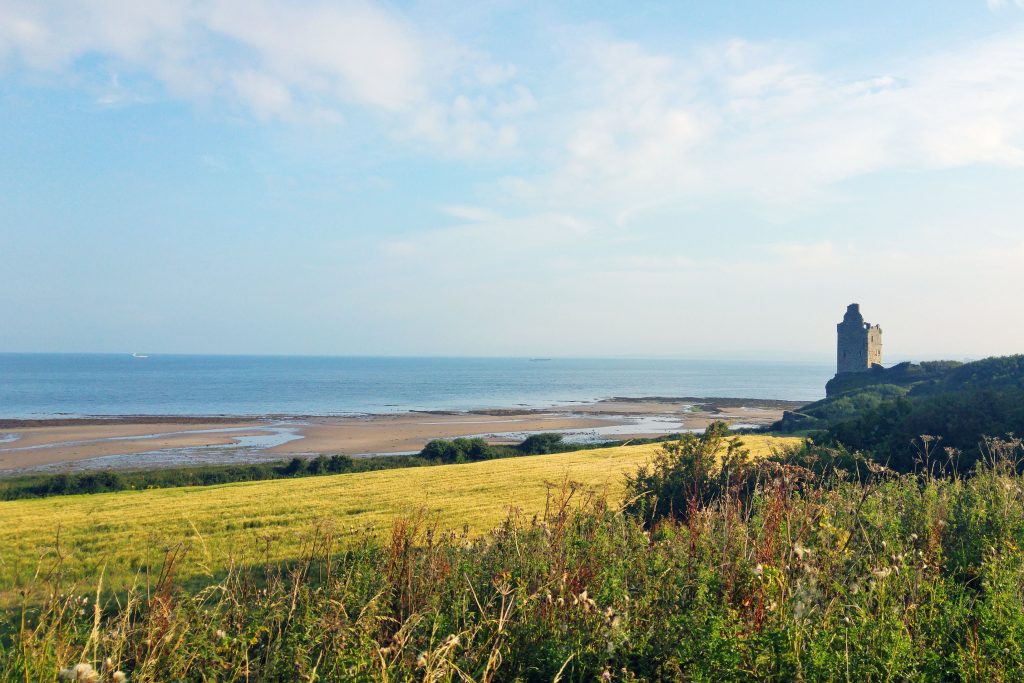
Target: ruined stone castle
x=860 y=344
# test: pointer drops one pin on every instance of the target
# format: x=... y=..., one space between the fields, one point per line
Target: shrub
x=440 y=450
x=460 y=450
x=689 y=475
x=542 y=444
x=340 y=463
x=317 y=465
x=295 y=466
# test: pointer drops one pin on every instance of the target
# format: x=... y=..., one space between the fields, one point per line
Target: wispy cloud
x=630 y=127
x=469 y=213
x=760 y=122
x=261 y=51
x=282 y=60
x=996 y=5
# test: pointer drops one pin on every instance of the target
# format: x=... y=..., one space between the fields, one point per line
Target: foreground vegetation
x=126 y=534
x=813 y=565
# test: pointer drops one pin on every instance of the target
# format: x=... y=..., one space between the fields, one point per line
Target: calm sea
x=43 y=385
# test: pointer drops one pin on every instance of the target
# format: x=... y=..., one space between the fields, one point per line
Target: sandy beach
x=139 y=442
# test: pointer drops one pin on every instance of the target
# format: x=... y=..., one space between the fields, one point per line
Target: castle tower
x=860 y=344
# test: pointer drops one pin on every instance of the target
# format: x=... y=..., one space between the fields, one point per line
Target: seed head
x=82 y=673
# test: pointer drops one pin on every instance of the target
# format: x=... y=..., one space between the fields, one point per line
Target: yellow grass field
x=247 y=522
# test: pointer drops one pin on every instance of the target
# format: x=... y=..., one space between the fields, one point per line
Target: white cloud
x=349 y=51
x=352 y=49
x=621 y=127
x=295 y=61
x=489 y=238
x=469 y=213
x=482 y=124
x=267 y=96
x=760 y=122
x=996 y=5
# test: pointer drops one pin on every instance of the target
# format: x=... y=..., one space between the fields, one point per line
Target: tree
x=295 y=466
x=540 y=444
x=317 y=465
x=340 y=463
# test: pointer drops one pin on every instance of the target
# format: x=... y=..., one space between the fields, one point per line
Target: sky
x=643 y=179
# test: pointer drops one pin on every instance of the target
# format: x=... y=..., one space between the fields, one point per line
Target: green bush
x=460 y=450
x=688 y=475
x=542 y=444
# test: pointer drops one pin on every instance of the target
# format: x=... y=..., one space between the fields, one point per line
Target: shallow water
x=635 y=424
x=246 y=448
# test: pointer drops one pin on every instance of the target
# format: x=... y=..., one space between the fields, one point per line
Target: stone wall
x=859 y=344
x=874 y=345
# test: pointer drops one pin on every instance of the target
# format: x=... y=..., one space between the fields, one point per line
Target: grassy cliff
x=886 y=411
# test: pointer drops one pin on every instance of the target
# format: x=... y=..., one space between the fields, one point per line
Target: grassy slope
x=126 y=530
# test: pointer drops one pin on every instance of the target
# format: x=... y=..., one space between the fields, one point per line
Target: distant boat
x=139 y=355
x=534 y=360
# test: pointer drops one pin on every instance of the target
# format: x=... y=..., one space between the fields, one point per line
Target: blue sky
x=698 y=179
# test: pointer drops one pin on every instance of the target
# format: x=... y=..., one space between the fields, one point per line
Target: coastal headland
x=139 y=441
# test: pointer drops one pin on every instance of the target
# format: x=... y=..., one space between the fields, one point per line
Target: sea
x=78 y=385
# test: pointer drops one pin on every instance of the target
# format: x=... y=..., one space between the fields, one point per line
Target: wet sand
x=39 y=446
x=140 y=441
